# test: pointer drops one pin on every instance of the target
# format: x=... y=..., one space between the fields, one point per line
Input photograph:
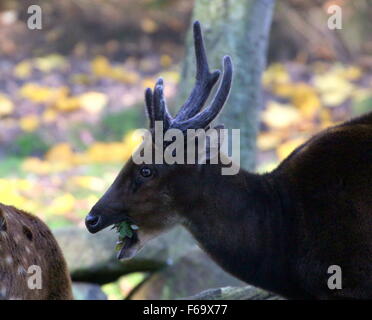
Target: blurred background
x=71 y=97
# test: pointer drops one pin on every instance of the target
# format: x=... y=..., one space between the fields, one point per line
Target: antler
x=160 y=107
x=189 y=117
x=148 y=102
x=204 y=79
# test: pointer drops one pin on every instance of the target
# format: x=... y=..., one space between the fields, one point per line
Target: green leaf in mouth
x=124 y=229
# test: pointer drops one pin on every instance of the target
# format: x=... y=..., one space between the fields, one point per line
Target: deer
x=32 y=266
x=280 y=230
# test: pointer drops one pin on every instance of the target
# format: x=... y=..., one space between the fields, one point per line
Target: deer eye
x=146 y=172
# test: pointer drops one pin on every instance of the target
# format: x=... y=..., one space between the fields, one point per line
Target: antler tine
x=203 y=119
x=149 y=107
x=161 y=112
x=204 y=79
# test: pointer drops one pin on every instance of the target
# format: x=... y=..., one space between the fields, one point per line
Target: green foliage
x=112 y=290
x=363 y=106
x=74 y=135
x=120 y=289
x=124 y=230
x=10 y=166
x=58 y=222
x=28 y=144
x=100 y=169
x=158 y=4
x=113 y=126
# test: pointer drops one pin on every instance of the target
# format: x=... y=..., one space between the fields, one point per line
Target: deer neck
x=240 y=222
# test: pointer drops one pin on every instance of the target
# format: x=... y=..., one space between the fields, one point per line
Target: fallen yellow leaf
x=63 y=204
x=29 y=123
x=274 y=74
x=126 y=76
x=67 y=104
x=61 y=152
x=6 y=105
x=37 y=166
x=333 y=89
x=149 y=25
x=23 y=69
x=100 y=66
x=284 y=150
x=51 y=62
x=268 y=140
x=41 y=94
x=165 y=61
x=93 y=102
x=279 y=115
x=49 y=116
x=302 y=96
x=108 y=152
x=132 y=140
x=88 y=182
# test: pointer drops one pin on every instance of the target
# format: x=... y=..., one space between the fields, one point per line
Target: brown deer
x=27 y=246
x=280 y=231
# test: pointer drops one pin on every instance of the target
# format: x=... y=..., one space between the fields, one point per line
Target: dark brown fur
x=280 y=231
x=25 y=241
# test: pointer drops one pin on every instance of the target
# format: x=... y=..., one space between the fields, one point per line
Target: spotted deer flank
x=32 y=266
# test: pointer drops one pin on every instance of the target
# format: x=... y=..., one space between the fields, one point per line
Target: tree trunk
x=239 y=29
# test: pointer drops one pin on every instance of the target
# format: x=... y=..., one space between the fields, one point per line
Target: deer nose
x=92 y=223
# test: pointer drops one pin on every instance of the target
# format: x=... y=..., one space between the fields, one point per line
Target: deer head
x=141 y=195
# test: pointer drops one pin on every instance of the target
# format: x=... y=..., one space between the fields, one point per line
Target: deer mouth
x=128 y=243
